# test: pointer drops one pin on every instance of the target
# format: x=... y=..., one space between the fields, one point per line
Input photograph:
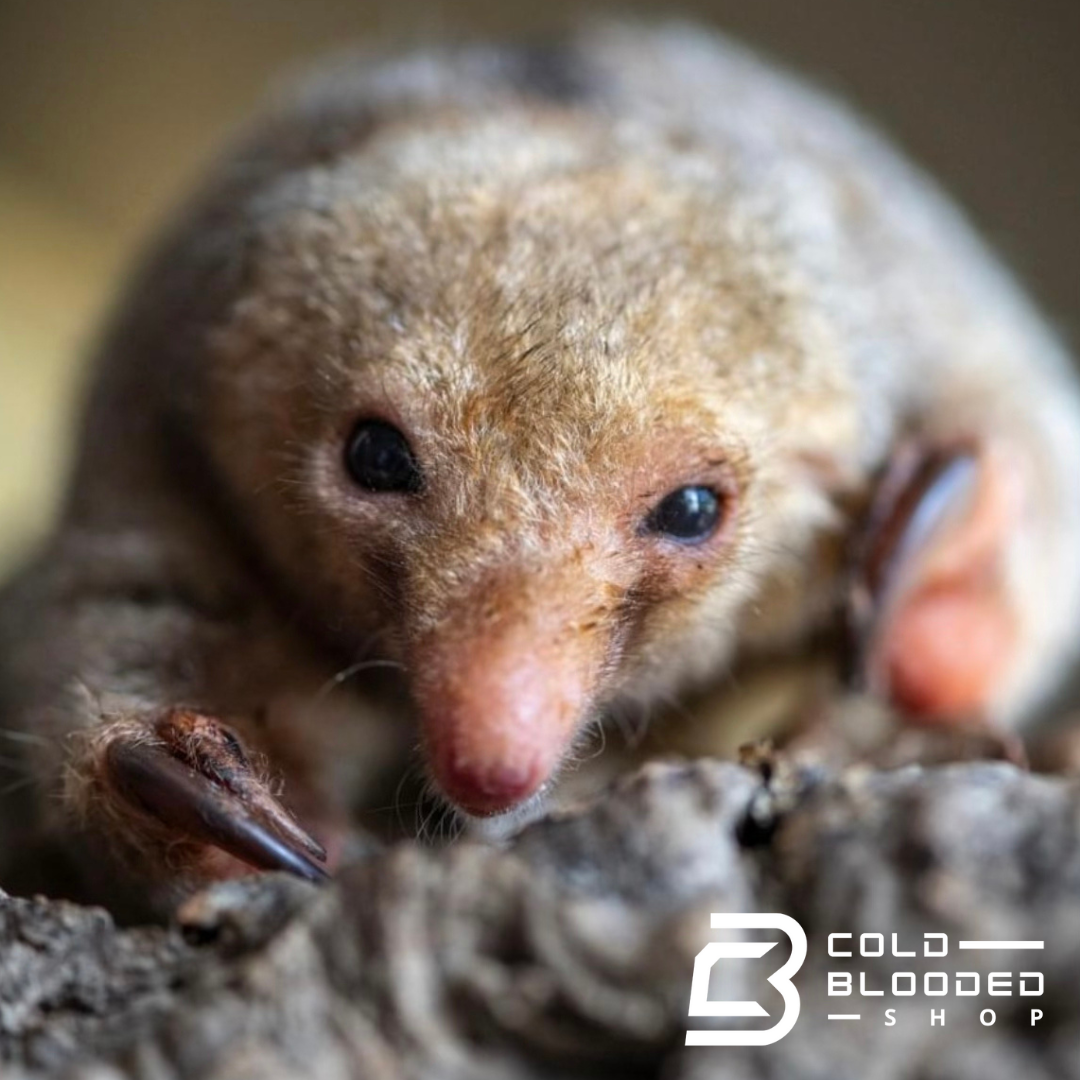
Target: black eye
x=690 y=514
x=379 y=459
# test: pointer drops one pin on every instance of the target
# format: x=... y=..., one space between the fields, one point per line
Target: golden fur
x=577 y=280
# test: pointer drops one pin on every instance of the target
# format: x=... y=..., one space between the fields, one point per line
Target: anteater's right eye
x=689 y=515
x=379 y=458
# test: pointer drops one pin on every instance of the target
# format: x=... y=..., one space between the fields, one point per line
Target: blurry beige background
x=108 y=108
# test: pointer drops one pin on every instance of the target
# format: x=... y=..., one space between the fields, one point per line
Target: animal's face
x=526 y=413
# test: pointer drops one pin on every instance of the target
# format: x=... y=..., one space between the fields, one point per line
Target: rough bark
x=570 y=952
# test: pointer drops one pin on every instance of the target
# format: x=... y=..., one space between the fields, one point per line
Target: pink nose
x=498 y=714
x=485 y=788
x=502 y=682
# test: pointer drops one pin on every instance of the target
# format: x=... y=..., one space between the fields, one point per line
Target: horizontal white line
x=1001 y=944
x=733 y=1008
x=845 y=1016
x=746 y=950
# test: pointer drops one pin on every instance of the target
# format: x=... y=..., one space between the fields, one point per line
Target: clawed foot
x=932 y=625
x=191 y=775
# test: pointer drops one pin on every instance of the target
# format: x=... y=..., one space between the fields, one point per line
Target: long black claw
x=151 y=778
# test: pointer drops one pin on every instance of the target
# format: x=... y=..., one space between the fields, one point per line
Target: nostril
x=484 y=788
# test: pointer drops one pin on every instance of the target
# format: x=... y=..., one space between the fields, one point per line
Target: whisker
x=345 y=674
x=414 y=772
x=398 y=805
x=599 y=734
x=423 y=833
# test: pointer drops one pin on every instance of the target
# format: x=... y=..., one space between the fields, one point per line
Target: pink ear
x=940 y=628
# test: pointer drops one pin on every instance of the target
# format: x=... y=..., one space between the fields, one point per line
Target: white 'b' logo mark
x=706 y=960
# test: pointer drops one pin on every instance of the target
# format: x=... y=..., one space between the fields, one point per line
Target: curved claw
x=152 y=778
x=916 y=496
x=930 y=621
x=212 y=749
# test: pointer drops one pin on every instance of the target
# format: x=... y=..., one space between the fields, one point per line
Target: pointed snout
x=507 y=683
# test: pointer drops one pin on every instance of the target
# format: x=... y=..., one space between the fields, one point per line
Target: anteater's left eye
x=690 y=515
x=379 y=458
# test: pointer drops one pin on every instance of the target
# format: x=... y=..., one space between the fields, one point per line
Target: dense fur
x=577 y=278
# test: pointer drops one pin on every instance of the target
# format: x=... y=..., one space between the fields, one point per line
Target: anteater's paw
x=935 y=626
x=180 y=790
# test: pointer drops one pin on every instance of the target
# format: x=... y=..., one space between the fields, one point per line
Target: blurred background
x=108 y=108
